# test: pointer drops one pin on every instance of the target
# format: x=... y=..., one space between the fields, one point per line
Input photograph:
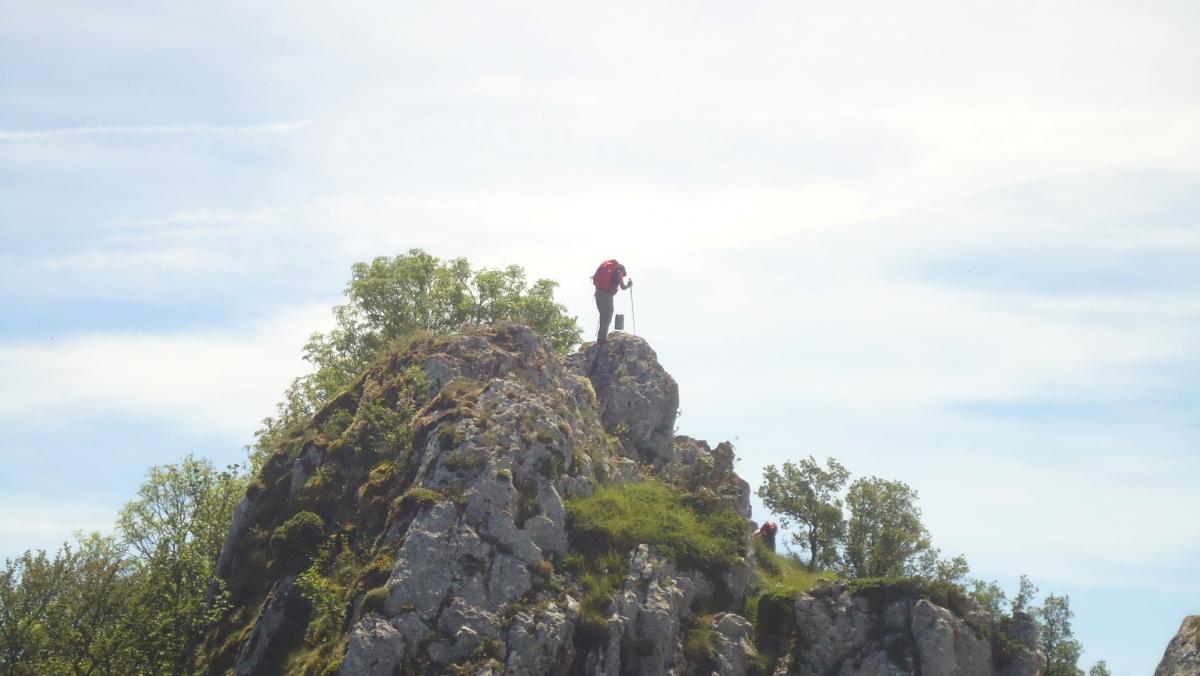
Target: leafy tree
x=30 y=587
x=182 y=507
x=1025 y=593
x=806 y=495
x=175 y=529
x=1058 y=640
x=930 y=565
x=990 y=596
x=68 y=614
x=1099 y=669
x=885 y=532
x=93 y=621
x=393 y=297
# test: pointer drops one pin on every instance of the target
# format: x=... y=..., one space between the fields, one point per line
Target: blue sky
x=954 y=244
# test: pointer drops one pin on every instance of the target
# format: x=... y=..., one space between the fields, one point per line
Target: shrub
x=298 y=540
x=327 y=611
x=700 y=644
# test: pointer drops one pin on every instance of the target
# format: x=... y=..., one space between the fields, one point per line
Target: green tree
x=94 y=620
x=990 y=596
x=929 y=564
x=1099 y=669
x=1057 y=638
x=806 y=495
x=885 y=532
x=30 y=587
x=393 y=297
x=68 y=614
x=1025 y=594
x=175 y=529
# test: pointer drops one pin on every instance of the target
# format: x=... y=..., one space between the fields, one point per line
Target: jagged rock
x=241 y=515
x=638 y=399
x=697 y=467
x=840 y=633
x=280 y=611
x=540 y=642
x=1027 y=658
x=375 y=648
x=734 y=647
x=1182 y=657
x=643 y=630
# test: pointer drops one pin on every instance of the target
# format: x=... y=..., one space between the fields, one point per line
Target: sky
x=955 y=244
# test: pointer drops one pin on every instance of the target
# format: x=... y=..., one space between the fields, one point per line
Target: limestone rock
x=639 y=400
x=1182 y=657
x=282 y=608
x=541 y=641
x=644 y=628
x=735 y=652
x=1027 y=659
x=443 y=478
x=376 y=647
x=842 y=633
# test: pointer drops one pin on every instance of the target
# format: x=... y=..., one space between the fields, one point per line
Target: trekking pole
x=632 y=312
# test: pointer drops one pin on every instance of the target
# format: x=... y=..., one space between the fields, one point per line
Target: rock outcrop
x=890 y=629
x=1182 y=657
x=422 y=523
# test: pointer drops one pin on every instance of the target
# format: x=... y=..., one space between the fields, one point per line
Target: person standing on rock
x=609 y=278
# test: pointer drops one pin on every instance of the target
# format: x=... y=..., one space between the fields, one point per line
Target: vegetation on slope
x=695 y=533
x=392 y=299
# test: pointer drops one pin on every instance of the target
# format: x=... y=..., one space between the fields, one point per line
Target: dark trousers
x=604 y=303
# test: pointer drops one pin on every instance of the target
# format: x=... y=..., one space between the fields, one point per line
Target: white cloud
x=152 y=130
x=217 y=381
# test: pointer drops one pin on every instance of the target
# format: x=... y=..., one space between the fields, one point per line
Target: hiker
x=609 y=278
x=766 y=533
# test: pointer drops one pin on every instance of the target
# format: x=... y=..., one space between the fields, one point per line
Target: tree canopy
x=885 y=532
x=393 y=297
x=806 y=495
x=133 y=603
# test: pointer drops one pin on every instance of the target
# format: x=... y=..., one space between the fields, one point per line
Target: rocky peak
x=475 y=504
x=638 y=400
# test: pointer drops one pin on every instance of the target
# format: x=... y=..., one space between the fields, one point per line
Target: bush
x=297 y=541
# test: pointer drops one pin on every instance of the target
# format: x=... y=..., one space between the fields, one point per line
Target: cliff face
x=892 y=629
x=474 y=504
x=1182 y=657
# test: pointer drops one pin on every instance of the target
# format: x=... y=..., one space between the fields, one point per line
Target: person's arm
x=626 y=284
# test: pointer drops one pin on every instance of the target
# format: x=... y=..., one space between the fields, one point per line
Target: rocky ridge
x=1182 y=657
x=421 y=523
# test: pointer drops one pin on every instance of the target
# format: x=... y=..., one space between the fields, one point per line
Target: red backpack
x=608 y=276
